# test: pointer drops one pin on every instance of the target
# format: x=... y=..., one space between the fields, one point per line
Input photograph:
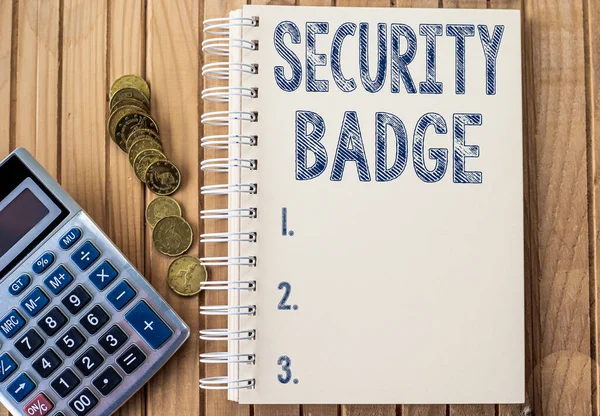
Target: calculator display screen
x=24 y=214
x=29 y=213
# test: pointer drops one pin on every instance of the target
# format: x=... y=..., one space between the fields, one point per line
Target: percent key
x=40 y=406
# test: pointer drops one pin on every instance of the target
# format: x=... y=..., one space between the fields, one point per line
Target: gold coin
x=186 y=275
x=113 y=119
x=136 y=134
x=130 y=101
x=163 y=177
x=126 y=94
x=144 y=159
x=172 y=236
x=162 y=207
x=141 y=145
x=130 y=81
x=131 y=121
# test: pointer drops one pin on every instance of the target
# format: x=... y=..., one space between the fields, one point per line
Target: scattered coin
x=141 y=145
x=137 y=134
x=172 y=236
x=186 y=275
x=132 y=120
x=163 y=177
x=144 y=159
x=126 y=94
x=162 y=207
x=130 y=81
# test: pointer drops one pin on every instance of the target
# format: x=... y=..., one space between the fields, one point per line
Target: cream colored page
x=406 y=291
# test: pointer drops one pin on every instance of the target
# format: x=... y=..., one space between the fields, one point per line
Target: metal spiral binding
x=221 y=46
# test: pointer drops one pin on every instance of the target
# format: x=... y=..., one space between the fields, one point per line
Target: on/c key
x=39 y=406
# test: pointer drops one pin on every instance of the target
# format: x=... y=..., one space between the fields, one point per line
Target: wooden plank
x=592 y=40
x=320 y=410
x=6 y=16
x=6 y=36
x=83 y=141
x=472 y=410
x=125 y=193
x=37 y=81
x=276 y=410
x=562 y=377
x=172 y=71
x=424 y=410
x=215 y=402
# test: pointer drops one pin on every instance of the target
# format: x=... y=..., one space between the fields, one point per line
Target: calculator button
x=85 y=256
x=29 y=343
x=131 y=359
x=107 y=381
x=70 y=238
x=19 y=284
x=89 y=362
x=53 y=322
x=47 y=364
x=11 y=324
x=41 y=264
x=83 y=402
x=35 y=302
x=39 y=406
x=147 y=323
x=65 y=383
x=121 y=295
x=7 y=366
x=70 y=341
x=59 y=414
x=76 y=300
x=21 y=387
x=103 y=275
x=95 y=319
x=112 y=340
x=58 y=280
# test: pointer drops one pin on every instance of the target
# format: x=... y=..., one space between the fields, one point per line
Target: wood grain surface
x=59 y=57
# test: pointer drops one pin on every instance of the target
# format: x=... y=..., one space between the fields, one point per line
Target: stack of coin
x=132 y=128
x=172 y=235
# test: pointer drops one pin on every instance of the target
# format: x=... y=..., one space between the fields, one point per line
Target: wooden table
x=58 y=59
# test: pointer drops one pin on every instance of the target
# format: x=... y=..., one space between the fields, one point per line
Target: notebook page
x=389 y=276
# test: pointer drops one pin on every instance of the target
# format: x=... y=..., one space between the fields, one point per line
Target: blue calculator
x=80 y=329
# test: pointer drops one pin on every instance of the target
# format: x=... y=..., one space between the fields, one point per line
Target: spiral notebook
x=373 y=163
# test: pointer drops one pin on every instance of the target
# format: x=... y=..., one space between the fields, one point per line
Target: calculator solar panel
x=80 y=329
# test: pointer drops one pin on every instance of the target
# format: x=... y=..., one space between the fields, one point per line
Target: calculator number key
x=83 y=402
x=76 y=300
x=95 y=319
x=39 y=406
x=71 y=341
x=29 y=343
x=131 y=359
x=47 y=364
x=112 y=340
x=89 y=362
x=65 y=383
x=53 y=322
x=107 y=381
